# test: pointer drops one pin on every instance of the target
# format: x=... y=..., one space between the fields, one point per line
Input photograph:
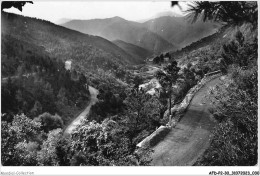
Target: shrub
x=49 y=122
x=235 y=107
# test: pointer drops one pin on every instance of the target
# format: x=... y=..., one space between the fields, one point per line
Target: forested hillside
x=221 y=34
x=34 y=83
x=137 y=52
x=87 y=51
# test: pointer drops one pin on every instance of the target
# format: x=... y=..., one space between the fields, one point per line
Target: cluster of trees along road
x=161 y=58
x=37 y=109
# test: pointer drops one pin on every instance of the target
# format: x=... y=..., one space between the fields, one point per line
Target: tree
x=63 y=149
x=16 y=137
x=108 y=104
x=47 y=156
x=19 y=98
x=167 y=79
x=137 y=81
x=188 y=80
x=62 y=99
x=82 y=79
x=189 y=77
x=95 y=144
x=142 y=115
x=135 y=102
x=168 y=55
x=231 y=12
x=235 y=107
x=84 y=144
x=161 y=58
x=162 y=96
x=26 y=153
x=175 y=3
x=37 y=109
x=16 y=4
x=152 y=112
x=49 y=122
x=156 y=60
x=43 y=92
x=8 y=100
x=74 y=74
x=238 y=50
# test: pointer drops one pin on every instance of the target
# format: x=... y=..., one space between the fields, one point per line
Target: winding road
x=82 y=115
x=76 y=121
x=191 y=136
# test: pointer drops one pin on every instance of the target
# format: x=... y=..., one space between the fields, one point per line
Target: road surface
x=4 y=80
x=190 y=137
x=76 y=122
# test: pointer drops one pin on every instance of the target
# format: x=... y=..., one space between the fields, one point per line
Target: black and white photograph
x=130 y=83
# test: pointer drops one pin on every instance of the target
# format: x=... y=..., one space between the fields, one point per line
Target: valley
x=88 y=92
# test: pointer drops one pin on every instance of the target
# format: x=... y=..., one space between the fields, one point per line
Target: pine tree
x=168 y=78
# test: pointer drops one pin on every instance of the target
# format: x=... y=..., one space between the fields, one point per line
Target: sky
x=130 y=10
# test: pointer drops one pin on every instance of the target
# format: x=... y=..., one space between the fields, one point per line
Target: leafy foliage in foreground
x=16 y=141
x=235 y=106
x=102 y=145
x=93 y=144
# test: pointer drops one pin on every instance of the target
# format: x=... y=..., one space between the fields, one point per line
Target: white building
x=68 y=65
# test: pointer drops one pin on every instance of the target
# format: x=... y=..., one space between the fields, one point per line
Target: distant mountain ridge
x=158 y=35
x=117 y=28
x=86 y=51
x=161 y=14
x=180 y=30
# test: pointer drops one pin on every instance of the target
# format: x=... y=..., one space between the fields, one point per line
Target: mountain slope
x=120 y=29
x=16 y=53
x=224 y=34
x=180 y=30
x=88 y=52
x=135 y=51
